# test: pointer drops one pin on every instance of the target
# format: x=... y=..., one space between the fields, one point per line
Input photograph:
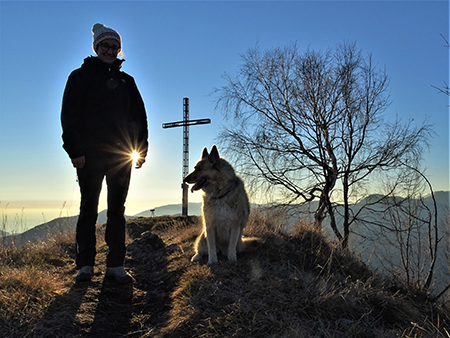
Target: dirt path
x=103 y=308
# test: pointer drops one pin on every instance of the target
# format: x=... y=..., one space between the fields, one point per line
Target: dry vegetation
x=299 y=285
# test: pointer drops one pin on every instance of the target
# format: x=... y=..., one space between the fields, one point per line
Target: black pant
x=117 y=170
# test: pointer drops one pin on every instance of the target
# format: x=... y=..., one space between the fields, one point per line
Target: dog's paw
x=232 y=258
x=212 y=261
x=196 y=258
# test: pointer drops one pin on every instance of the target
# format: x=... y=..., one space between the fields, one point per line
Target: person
x=103 y=121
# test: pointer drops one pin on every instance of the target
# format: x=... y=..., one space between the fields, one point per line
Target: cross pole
x=185 y=166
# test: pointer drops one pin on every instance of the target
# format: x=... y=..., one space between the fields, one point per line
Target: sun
x=135 y=156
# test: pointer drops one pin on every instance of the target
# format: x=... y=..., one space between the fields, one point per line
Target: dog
x=225 y=208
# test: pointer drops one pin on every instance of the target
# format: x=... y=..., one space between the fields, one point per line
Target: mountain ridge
x=42 y=231
x=66 y=224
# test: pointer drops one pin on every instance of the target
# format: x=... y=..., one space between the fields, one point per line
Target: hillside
x=300 y=285
x=43 y=231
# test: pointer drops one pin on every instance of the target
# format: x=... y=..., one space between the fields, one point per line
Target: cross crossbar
x=186 y=123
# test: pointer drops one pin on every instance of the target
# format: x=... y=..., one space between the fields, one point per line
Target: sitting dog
x=225 y=208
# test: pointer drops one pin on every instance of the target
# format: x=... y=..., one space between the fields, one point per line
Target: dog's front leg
x=212 y=250
x=235 y=234
x=201 y=247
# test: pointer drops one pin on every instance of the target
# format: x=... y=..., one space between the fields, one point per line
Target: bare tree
x=309 y=126
x=402 y=227
x=446 y=89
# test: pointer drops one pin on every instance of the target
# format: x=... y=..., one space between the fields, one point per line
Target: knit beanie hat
x=101 y=32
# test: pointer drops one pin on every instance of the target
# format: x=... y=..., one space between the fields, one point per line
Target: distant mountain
x=194 y=209
x=42 y=232
x=442 y=198
x=4 y=233
x=68 y=224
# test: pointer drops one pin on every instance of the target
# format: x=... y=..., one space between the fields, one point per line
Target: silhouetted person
x=103 y=121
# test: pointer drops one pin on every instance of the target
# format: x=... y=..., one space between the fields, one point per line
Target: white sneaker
x=119 y=274
x=85 y=274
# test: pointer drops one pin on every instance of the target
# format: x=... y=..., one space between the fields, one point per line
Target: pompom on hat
x=101 y=32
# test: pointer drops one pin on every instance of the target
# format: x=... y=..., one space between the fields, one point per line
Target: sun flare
x=135 y=156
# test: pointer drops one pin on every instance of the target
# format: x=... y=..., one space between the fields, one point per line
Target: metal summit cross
x=185 y=165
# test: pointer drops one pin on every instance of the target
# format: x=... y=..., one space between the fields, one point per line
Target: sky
x=177 y=49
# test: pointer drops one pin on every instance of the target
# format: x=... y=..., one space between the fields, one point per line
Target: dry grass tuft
x=30 y=278
x=301 y=285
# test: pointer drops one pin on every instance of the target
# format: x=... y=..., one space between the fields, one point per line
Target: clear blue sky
x=182 y=49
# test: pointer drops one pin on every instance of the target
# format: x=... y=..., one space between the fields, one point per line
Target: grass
x=30 y=278
x=297 y=285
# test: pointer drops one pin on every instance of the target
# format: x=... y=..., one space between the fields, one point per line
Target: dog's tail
x=249 y=244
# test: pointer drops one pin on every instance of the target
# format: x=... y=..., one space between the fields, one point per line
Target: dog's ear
x=205 y=153
x=214 y=155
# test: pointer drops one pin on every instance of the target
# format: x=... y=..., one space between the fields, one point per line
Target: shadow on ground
x=103 y=308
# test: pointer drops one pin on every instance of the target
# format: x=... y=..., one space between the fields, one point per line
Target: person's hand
x=79 y=162
x=139 y=162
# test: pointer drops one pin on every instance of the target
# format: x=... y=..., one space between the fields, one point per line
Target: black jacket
x=102 y=110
